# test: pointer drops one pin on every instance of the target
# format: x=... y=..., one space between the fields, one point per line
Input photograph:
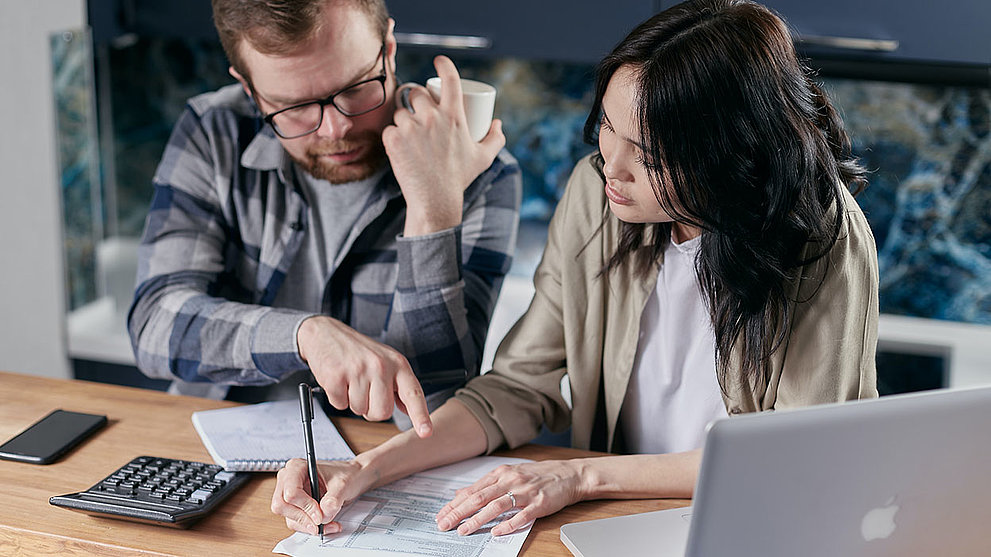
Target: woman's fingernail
x=444 y=524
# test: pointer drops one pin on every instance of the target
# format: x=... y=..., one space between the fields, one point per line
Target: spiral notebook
x=262 y=437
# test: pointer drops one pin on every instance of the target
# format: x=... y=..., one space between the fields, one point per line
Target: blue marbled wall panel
x=929 y=148
x=929 y=203
x=78 y=159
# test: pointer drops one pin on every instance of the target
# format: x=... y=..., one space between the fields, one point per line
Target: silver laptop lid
x=900 y=475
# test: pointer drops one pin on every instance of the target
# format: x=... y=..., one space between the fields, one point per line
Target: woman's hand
x=539 y=489
x=340 y=481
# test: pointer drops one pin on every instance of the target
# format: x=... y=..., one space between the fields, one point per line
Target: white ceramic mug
x=479 y=104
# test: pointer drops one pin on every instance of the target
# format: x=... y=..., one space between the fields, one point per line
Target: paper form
x=398 y=520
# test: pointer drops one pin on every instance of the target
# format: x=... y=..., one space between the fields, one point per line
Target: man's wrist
x=429 y=218
x=307 y=331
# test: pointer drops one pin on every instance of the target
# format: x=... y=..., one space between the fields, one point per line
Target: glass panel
x=929 y=199
x=78 y=161
x=148 y=82
x=929 y=148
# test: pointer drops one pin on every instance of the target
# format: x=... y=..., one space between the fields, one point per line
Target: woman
x=708 y=260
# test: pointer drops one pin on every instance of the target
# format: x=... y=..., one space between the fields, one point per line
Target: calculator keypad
x=160 y=490
x=159 y=479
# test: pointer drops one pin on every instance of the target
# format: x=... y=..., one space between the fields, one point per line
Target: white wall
x=32 y=284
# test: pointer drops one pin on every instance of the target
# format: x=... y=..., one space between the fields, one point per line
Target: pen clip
x=305 y=402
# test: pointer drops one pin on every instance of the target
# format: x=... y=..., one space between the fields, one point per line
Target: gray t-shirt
x=333 y=211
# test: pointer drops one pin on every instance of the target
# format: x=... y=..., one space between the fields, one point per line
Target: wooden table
x=143 y=422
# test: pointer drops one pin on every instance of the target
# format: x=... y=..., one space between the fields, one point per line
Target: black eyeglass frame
x=268 y=118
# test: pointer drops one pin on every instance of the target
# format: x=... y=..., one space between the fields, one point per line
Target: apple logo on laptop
x=879 y=522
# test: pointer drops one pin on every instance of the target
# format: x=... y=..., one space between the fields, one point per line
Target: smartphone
x=51 y=437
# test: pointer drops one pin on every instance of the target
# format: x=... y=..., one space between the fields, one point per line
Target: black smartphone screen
x=51 y=437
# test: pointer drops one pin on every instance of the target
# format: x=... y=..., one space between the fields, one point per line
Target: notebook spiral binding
x=255 y=465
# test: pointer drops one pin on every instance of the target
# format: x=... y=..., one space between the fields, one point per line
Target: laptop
x=899 y=475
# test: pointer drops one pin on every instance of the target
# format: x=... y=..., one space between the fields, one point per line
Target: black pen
x=306 y=411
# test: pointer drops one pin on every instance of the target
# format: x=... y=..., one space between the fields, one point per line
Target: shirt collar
x=265 y=152
x=688 y=247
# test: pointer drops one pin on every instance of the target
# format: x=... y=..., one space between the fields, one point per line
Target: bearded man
x=304 y=228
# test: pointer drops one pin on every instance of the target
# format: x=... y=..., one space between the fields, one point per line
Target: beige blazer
x=587 y=325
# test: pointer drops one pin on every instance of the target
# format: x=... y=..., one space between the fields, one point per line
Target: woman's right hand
x=340 y=482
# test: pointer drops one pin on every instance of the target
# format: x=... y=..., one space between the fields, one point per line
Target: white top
x=673 y=393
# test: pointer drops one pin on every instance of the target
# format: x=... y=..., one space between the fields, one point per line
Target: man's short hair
x=280 y=26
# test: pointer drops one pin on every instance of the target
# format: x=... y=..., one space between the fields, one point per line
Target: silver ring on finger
x=512 y=498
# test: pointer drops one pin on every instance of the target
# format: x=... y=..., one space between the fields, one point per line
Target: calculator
x=154 y=490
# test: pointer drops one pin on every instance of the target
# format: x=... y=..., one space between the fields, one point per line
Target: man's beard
x=370 y=162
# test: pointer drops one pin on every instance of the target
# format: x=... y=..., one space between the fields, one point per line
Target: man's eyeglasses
x=356 y=99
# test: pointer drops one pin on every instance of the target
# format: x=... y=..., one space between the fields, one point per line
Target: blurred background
x=92 y=90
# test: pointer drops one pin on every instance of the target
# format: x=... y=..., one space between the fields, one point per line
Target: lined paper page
x=264 y=436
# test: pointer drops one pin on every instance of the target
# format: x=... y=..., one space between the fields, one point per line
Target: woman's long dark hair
x=742 y=144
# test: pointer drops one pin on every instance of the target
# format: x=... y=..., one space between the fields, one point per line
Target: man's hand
x=357 y=372
x=433 y=156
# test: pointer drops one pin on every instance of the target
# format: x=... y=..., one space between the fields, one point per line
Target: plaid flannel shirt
x=226 y=221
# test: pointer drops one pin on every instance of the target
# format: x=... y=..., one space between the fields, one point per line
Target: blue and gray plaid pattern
x=226 y=222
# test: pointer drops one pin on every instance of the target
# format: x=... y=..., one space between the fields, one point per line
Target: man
x=301 y=223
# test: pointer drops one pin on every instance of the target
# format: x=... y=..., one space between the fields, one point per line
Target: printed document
x=398 y=520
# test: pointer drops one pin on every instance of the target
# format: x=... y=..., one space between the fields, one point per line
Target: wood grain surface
x=143 y=422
